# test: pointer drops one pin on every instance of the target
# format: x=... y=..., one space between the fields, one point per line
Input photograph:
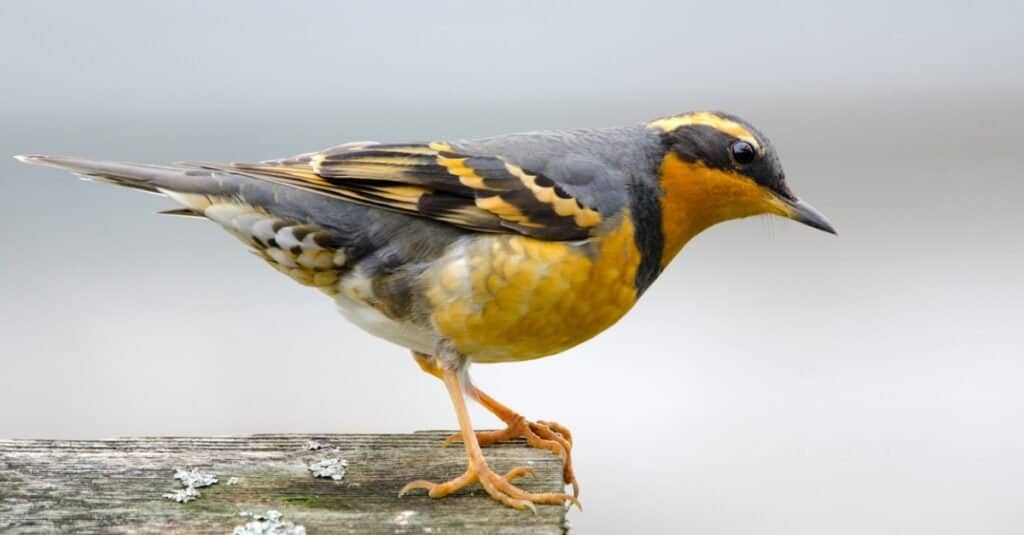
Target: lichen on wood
x=102 y=486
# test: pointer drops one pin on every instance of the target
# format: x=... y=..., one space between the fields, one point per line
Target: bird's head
x=718 y=167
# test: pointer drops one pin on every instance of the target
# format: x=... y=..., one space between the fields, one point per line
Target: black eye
x=742 y=152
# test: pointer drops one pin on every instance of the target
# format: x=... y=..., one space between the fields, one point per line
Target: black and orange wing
x=433 y=180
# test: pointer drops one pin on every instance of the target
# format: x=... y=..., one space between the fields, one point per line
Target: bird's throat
x=695 y=197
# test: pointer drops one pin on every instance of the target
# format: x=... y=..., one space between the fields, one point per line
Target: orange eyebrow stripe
x=734 y=129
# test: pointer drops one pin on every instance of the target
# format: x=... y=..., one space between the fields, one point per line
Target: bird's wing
x=436 y=181
x=293 y=229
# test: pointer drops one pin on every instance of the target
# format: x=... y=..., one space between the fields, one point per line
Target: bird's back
x=412 y=279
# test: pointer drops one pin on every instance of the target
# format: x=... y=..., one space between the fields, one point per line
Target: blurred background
x=774 y=380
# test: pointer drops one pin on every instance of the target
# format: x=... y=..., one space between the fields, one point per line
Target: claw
x=413 y=485
x=544 y=435
x=498 y=487
x=558 y=428
x=550 y=436
x=520 y=471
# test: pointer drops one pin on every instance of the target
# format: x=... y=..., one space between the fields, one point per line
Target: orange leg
x=550 y=436
x=497 y=486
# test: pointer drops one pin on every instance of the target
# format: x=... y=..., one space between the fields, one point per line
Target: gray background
x=774 y=380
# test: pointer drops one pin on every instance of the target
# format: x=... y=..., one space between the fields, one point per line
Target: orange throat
x=696 y=197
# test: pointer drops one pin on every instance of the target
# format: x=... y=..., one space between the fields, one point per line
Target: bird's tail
x=189 y=185
x=145 y=177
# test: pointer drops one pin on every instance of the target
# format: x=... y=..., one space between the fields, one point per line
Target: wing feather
x=433 y=180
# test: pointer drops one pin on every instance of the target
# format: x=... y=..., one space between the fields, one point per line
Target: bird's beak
x=798 y=210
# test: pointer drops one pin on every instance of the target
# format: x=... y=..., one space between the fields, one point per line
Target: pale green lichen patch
x=184 y=495
x=268 y=523
x=194 y=478
x=333 y=468
x=191 y=480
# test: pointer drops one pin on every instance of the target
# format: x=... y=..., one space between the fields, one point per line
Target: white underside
x=355 y=290
x=374 y=322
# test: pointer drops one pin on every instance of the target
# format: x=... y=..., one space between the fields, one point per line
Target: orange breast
x=509 y=297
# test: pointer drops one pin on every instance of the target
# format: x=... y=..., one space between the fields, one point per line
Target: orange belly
x=509 y=297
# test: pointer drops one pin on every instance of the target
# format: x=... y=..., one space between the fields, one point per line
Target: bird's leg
x=550 y=436
x=546 y=435
x=497 y=486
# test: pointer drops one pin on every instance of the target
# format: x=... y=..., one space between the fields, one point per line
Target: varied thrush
x=497 y=249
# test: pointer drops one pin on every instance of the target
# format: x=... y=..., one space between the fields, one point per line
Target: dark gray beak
x=808 y=215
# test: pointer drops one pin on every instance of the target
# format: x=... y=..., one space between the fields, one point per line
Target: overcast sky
x=145 y=55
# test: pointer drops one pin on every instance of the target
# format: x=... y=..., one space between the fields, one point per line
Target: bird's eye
x=743 y=152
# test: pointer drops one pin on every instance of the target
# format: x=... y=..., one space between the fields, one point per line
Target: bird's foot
x=498 y=487
x=550 y=436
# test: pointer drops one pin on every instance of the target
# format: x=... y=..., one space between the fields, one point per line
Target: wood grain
x=117 y=485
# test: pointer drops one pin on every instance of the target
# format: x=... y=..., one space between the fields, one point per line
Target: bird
x=487 y=250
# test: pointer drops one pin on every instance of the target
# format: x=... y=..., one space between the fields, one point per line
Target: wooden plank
x=118 y=485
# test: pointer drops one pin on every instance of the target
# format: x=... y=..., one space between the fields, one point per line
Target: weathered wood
x=117 y=486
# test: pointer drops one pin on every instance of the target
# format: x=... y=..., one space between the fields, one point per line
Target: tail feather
x=198 y=189
x=145 y=177
x=286 y=225
x=182 y=212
